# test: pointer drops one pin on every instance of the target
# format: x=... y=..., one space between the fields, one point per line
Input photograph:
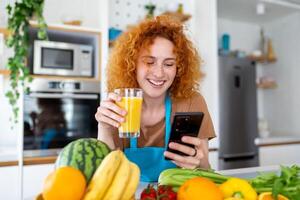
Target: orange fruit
x=65 y=183
x=199 y=188
x=268 y=196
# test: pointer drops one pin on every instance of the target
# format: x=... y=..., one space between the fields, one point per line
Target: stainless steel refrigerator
x=238 y=113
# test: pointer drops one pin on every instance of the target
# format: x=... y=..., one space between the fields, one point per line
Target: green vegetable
x=175 y=177
x=287 y=183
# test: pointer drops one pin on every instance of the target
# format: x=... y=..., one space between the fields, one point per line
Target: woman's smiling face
x=156 y=68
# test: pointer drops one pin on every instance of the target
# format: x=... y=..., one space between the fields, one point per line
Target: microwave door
x=57 y=59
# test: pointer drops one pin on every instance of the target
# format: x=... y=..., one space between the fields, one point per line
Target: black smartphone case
x=184 y=124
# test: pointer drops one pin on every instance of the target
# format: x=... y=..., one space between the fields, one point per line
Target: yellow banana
x=133 y=182
x=104 y=176
x=120 y=181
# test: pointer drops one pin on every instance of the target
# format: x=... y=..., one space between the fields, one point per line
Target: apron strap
x=168 y=107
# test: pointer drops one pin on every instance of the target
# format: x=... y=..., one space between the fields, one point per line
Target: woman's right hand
x=109 y=113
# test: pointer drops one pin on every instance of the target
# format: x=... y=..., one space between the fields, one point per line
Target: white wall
x=205 y=14
x=282 y=105
x=56 y=11
x=243 y=36
x=8 y=137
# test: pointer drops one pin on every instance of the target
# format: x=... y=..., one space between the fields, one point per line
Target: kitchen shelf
x=179 y=16
x=67 y=78
x=4 y=72
x=4 y=31
x=267 y=85
x=7 y=72
x=262 y=59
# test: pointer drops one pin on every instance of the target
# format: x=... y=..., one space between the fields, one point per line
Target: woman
x=157 y=57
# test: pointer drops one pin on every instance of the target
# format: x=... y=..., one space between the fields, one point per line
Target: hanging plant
x=18 y=26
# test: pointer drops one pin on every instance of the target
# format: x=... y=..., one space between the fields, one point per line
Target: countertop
x=277 y=140
x=8 y=156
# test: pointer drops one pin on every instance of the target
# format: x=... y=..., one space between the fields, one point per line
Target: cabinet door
x=9 y=183
x=213 y=159
x=34 y=176
x=281 y=154
x=33 y=179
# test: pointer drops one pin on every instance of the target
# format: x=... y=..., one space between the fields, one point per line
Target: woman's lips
x=156 y=83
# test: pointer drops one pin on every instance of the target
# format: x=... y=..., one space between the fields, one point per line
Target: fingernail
x=124 y=112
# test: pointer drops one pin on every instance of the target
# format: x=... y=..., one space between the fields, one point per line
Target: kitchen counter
x=277 y=140
x=9 y=157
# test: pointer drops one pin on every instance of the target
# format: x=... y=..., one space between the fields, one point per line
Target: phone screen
x=184 y=124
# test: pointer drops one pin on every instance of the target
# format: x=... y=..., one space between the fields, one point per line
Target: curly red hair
x=121 y=70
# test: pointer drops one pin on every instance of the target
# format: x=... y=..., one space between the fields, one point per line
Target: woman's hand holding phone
x=193 y=156
x=185 y=148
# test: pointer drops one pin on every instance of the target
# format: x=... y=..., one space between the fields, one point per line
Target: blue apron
x=151 y=160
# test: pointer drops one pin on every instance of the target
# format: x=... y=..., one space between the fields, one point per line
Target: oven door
x=52 y=120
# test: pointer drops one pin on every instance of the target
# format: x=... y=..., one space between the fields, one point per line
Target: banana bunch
x=115 y=179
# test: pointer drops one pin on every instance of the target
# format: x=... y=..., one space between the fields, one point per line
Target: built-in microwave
x=62 y=59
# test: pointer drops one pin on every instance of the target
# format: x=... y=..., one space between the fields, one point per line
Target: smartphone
x=184 y=124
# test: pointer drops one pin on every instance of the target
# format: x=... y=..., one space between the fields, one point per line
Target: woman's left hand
x=194 y=158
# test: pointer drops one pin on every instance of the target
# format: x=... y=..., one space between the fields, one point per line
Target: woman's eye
x=169 y=64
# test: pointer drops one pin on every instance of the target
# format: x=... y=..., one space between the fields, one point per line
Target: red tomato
x=149 y=193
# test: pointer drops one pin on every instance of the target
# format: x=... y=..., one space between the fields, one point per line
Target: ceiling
x=245 y=10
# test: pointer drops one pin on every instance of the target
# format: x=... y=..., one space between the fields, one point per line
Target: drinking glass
x=132 y=99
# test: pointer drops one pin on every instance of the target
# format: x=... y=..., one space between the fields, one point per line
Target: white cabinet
x=213 y=159
x=33 y=179
x=281 y=154
x=8 y=183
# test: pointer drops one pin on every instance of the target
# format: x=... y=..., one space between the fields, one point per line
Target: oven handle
x=64 y=95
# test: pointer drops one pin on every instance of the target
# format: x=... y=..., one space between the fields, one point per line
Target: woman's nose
x=158 y=71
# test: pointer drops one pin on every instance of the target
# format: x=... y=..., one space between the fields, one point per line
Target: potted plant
x=18 y=25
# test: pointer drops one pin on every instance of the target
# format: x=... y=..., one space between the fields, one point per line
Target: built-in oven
x=58 y=112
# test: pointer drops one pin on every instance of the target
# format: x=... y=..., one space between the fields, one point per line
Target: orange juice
x=131 y=126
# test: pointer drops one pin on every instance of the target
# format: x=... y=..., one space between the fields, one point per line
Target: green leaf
x=277 y=188
x=8 y=8
x=18 y=24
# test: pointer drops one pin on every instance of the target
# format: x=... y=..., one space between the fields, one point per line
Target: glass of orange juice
x=132 y=99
